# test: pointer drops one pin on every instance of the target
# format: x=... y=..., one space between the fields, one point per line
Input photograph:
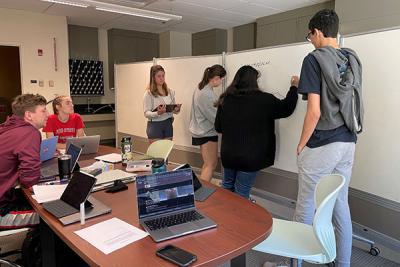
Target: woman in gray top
x=156 y=97
x=202 y=118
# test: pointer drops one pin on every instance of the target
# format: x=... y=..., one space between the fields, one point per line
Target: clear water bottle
x=126 y=149
x=158 y=165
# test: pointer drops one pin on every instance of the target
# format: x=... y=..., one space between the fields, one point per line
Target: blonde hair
x=152 y=87
x=57 y=101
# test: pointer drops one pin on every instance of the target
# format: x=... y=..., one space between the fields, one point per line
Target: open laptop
x=76 y=192
x=48 y=148
x=89 y=144
x=201 y=192
x=50 y=170
x=166 y=205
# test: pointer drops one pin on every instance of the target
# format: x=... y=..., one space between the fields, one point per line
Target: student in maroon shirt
x=64 y=123
x=20 y=159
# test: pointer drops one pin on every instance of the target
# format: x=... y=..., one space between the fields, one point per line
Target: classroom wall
x=83 y=42
x=209 y=42
x=175 y=44
x=287 y=27
x=130 y=46
x=367 y=15
x=91 y=43
x=32 y=31
x=244 y=37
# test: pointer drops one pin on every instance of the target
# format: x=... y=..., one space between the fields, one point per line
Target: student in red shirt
x=64 y=123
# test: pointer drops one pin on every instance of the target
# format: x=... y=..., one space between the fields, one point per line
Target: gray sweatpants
x=313 y=163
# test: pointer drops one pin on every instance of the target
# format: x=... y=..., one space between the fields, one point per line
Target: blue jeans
x=238 y=181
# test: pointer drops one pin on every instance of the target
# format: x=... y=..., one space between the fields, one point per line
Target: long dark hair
x=152 y=87
x=245 y=81
x=211 y=72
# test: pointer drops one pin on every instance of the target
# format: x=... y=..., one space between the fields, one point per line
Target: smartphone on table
x=176 y=255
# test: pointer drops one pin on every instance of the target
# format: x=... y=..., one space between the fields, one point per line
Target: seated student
x=64 y=123
x=20 y=159
x=246 y=119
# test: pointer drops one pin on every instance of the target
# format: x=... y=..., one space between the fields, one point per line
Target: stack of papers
x=45 y=193
x=115 y=234
x=112 y=158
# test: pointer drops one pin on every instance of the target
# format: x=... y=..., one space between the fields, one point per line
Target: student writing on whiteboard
x=202 y=118
x=246 y=119
x=159 y=106
x=64 y=123
x=331 y=81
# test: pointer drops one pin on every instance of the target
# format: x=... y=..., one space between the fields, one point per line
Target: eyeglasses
x=308 y=37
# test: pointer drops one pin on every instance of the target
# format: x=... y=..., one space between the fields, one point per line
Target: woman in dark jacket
x=246 y=119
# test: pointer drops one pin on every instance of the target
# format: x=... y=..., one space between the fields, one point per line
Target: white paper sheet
x=45 y=193
x=111 y=235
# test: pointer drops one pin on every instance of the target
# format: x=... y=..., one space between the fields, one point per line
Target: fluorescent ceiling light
x=120 y=9
x=133 y=11
x=66 y=2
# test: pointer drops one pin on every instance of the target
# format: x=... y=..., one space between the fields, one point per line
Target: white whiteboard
x=377 y=160
x=276 y=66
x=131 y=81
x=183 y=75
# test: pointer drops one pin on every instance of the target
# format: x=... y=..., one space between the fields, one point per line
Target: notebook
x=166 y=205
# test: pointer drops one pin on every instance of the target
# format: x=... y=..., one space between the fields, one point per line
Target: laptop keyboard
x=59 y=208
x=175 y=219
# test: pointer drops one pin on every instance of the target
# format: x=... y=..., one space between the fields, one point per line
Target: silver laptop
x=166 y=205
x=49 y=169
x=89 y=144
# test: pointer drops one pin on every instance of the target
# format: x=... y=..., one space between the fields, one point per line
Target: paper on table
x=45 y=193
x=115 y=234
x=113 y=158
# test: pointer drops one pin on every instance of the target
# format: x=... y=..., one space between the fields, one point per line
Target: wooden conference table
x=241 y=226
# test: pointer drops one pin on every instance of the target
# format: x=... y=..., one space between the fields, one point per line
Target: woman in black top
x=246 y=119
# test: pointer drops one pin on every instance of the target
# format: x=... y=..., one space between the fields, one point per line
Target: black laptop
x=49 y=169
x=166 y=205
x=76 y=192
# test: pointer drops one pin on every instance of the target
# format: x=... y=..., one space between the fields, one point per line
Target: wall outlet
x=51 y=83
x=41 y=83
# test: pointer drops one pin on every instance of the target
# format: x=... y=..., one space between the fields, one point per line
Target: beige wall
x=367 y=15
x=181 y=44
x=32 y=31
x=287 y=27
x=175 y=44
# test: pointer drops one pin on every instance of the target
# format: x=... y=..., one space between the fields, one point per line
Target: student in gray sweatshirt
x=202 y=118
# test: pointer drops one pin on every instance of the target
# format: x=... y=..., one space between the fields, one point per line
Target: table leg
x=239 y=261
x=47 y=238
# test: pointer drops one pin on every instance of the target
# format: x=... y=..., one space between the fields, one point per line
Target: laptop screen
x=164 y=192
x=74 y=151
x=78 y=189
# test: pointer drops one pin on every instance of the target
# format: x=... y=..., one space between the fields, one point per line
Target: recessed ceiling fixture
x=120 y=9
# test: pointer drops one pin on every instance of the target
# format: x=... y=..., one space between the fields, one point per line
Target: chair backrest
x=160 y=149
x=326 y=193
